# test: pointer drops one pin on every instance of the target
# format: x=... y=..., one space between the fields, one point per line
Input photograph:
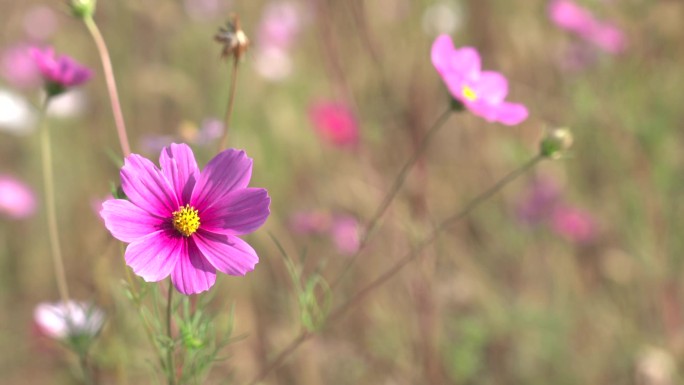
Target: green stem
x=223 y=144
x=337 y=313
x=50 y=206
x=170 y=362
x=392 y=193
x=88 y=378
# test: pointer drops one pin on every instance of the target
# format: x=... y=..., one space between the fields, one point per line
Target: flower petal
x=491 y=86
x=127 y=222
x=154 y=257
x=179 y=166
x=147 y=188
x=442 y=49
x=240 y=212
x=228 y=254
x=193 y=273
x=466 y=62
x=511 y=114
x=228 y=171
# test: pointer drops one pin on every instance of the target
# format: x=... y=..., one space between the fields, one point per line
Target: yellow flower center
x=469 y=94
x=186 y=220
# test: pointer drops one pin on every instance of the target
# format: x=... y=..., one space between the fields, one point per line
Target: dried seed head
x=233 y=39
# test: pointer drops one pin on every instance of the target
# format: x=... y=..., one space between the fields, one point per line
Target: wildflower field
x=393 y=192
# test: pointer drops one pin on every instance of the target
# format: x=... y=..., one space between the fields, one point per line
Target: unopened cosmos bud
x=556 y=143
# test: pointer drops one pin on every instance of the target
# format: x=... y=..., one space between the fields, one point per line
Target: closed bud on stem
x=83 y=9
x=556 y=143
x=233 y=38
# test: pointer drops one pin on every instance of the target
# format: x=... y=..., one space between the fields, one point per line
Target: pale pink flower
x=568 y=15
x=40 y=22
x=279 y=25
x=574 y=224
x=62 y=320
x=335 y=123
x=18 y=68
x=481 y=92
x=16 y=198
x=345 y=234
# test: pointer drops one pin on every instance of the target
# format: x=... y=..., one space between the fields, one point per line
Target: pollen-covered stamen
x=469 y=93
x=186 y=220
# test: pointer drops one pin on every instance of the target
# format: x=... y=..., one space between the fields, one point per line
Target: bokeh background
x=571 y=275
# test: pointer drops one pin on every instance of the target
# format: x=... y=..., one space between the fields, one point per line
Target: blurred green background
x=495 y=300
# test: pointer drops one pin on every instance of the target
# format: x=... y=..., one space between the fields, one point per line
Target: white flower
x=61 y=320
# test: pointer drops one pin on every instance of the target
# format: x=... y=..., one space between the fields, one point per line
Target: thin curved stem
x=223 y=144
x=111 y=84
x=340 y=310
x=50 y=206
x=392 y=193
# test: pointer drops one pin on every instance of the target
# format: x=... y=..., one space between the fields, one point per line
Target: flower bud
x=82 y=8
x=556 y=142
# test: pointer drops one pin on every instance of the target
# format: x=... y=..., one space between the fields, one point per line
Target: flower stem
x=392 y=193
x=170 y=364
x=50 y=206
x=111 y=84
x=88 y=378
x=223 y=144
x=340 y=310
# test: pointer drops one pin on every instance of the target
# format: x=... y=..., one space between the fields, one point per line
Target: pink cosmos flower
x=280 y=25
x=335 y=123
x=482 y=92
x=62 y=71
x=567 y=15
x=62 y=320
x=310 y=222
x=181 y=222
x=16 y=198
x=573 y=224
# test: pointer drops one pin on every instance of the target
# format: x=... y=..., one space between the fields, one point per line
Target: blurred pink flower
x=482 y=92
x=202 y=10
x=539 y=202
x=568 y=15
x=40 y=22
x=335 y=123
x=18 y=68
x=310 y=222
x=574 y=224
x=345 y=234
x=185 y=223
x=279 y=25
x=62 y=320
x=62 y=71
x=16 y=199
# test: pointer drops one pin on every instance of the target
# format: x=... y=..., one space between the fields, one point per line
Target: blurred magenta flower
x=18 y=68
x=16 y=199
x=482 y=92
x=62 y=320
x=345 y=234
x=335 y=123
x=573 y=224
x=181 y=222
x=568 y=15
x=539 y=201
x=60 y=72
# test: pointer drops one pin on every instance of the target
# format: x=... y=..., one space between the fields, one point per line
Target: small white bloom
x=17 y=116
x=61 y=320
